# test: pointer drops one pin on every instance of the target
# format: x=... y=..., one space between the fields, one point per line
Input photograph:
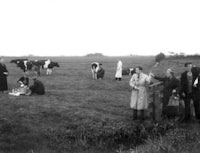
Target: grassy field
x=77 y=114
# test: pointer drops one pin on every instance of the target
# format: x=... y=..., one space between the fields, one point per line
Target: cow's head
x=56 y=64
x=17 y=62
x=131 y=71
x=14 y=61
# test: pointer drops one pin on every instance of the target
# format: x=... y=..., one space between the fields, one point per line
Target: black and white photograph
x=99 y=76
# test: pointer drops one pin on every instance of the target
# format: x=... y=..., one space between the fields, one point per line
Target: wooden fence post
x=156 y=103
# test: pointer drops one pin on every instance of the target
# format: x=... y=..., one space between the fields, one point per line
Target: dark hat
x=187 y=63
x=139 y=67
x=170 y=71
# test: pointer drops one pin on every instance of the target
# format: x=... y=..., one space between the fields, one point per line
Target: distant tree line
x=161 y=56
x=95 y=55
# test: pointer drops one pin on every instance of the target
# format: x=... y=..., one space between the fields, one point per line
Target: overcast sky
x=111 y=27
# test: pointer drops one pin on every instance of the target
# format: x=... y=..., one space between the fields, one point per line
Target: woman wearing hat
x=171 y=85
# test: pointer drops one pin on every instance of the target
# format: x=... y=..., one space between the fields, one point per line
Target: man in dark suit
x=190 y=91
x=100 y=72
x=3 y=76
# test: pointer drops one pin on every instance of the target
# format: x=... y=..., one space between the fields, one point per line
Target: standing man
x=190 y=90
x=3 y=76
x=100 y=72
x=139 y=94
x=118 y=74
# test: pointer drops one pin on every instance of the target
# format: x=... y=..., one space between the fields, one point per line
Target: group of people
x=97 y=70
x=23 y=88
x=187 y=88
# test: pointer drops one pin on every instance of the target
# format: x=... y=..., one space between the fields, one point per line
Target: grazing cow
x=24 y=64
x=128 y=71
x=18 y=60
x=94 y=69
x=50 y=67
x=45 y=64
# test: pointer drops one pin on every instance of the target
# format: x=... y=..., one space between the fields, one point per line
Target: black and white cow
x=17 y=60
x=94 y=69
x=45 y=64
x=128 y=71
x=24 y=64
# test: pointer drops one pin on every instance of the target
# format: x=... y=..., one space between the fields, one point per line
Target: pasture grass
x=178 y=140
x=77 y=114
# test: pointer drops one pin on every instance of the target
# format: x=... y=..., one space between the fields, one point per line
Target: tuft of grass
x=178 y=140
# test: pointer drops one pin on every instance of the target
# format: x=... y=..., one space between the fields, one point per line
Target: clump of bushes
x=159 y=57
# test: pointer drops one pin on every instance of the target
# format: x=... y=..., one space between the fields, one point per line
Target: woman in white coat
x=118 y=74
x=139 y=94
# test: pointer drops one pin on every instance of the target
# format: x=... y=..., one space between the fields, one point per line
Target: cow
x=24 y=64
x=17 y=60
x=94 y=69
x=50 y=67
x=128 y=71
x=45 y=64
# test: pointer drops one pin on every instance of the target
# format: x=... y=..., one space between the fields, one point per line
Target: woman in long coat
x=118 y=74
x=3 y=76
x=139 y=94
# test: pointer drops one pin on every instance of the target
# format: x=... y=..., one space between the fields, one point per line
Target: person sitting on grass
x=37 y=87
x=23 y=88
x=24 y=80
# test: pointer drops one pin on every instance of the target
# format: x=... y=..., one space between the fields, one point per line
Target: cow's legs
x=50 y=71
x=47 y=71
x=92 y=73
x=95 y=72
x=95 y=75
